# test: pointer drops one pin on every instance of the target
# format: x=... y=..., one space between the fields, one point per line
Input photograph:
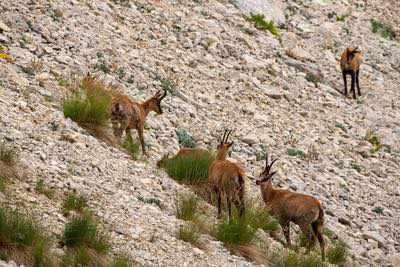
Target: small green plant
x=260 y=155
x=341 y=126
x=122 y=261
x=373 y=138
x=185 y=139
x=186 y=207
x=74 y=202
x=234 y=232
x=378 y=210
x=41 y=188
x=338 y=253
x=189 y=233
x=83 y=231
x=102 y=67
x=294 y=152
x=385 y=30
x=313 y=78
x=356 y=167
x=293 y=259
x=259 y=218
x=121 y=73
x=2 y=184
x=90 y=103
x=8 y=154
x=342 y=17
x=329 y=233
x=21 y=232
x=189 y=168
x=332 y=14
x=167 y=85
x=131 y=147
x=260 y=23
x=150 y=201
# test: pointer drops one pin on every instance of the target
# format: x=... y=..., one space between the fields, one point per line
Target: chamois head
x=351 y=51
x=154 y=103
x=266 y=175
x=224 y=145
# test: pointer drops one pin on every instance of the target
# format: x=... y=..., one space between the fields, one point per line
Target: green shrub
x=42 y=189
x=74 y=202
x=189 y=233
x=329 y=233
x=8 y=154
x=82 y=256
x=131 y=147
x=90 y=102
x=20 y=231
x=186 y=207
x=294 y=152
x=185 y=139
x=83 y=231
x=378 y=210
x=385 y=30
x=373 y=138
x=296 y=260
x=122 y=261
x=259 y=218
x=234 y=232
x=150 y=200
x=260 y=23
x=189 y=168
x=313 y=78
x=338 y=253
x=356 y=167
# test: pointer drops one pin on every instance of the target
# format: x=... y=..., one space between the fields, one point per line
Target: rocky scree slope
x=226 y=74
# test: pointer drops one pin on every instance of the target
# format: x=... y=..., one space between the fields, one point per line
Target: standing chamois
x=227 y=178
x=288 y=206
x=350 y=64
x=132 y=115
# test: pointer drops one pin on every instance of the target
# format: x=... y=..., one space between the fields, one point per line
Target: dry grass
x=252 y=253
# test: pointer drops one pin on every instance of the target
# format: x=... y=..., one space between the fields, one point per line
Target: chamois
x=130 y=114
x=287 y=206
x=227 y=178
x=350 y=61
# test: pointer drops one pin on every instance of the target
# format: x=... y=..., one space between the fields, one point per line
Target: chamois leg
x=353 y=81
x=317 y=228
x=239 y=203
x=128 y=133
x=119 y=130
x=286 y=231
x=141 y=139
x=218 y=202
x=345 y=83
x=305 y=228
x=358 y=83
x=229 y=206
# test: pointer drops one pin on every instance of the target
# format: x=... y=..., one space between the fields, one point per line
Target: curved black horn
x=266 y=160
x=164 y=95
x=223 y=137
x=227 y=137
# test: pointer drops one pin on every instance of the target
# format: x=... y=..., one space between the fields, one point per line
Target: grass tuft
x=189 y=233
x=186 y=207
x=74 y=202
x=41 y=188
x=385 y=30
x=185 y=139
x=189 y=168
x=260 y=23
x=338 y=253
x=294 y=152
x=258 y=217
x=8 y=154
x=122 y=261
x=378 y=210
x=313 y=78
x=234 y=232
x=131 y=147
x=90 y=102
x=296 y=260
x=83 y=231
x=373 y=138
x=151 y=201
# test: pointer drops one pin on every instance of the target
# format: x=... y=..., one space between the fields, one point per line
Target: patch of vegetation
x=131 y=147
x=41 y=188
x=23 y=239
x=189 y=233
x=90 y=102
x=2 y=184
x=294 y=152
x=124 y=3
x=338 y=253
x=185 y=139
x=313 y=78
x=260 y=155
x=341 y=126
x=74 y=202
x=258 y=217
x=374 y=140
x=103 y=67
x=167 y=85
x=342 y=17
x=186 y=207
x=378 y=210
x=385 y=30
x=332 y=14
x=121 y=73
x=83 y=256
x=356 y=167
x=260 y=23
x=296 y=260
x=122 y=261
x=33 y=67
x=234 y=232
x=189 y=168
x=150 y=201
x=8 y=154
x=83 y=231
x=329 y=233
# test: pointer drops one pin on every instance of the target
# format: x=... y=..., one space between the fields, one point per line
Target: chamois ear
x=230 y=144
x=272 y=174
